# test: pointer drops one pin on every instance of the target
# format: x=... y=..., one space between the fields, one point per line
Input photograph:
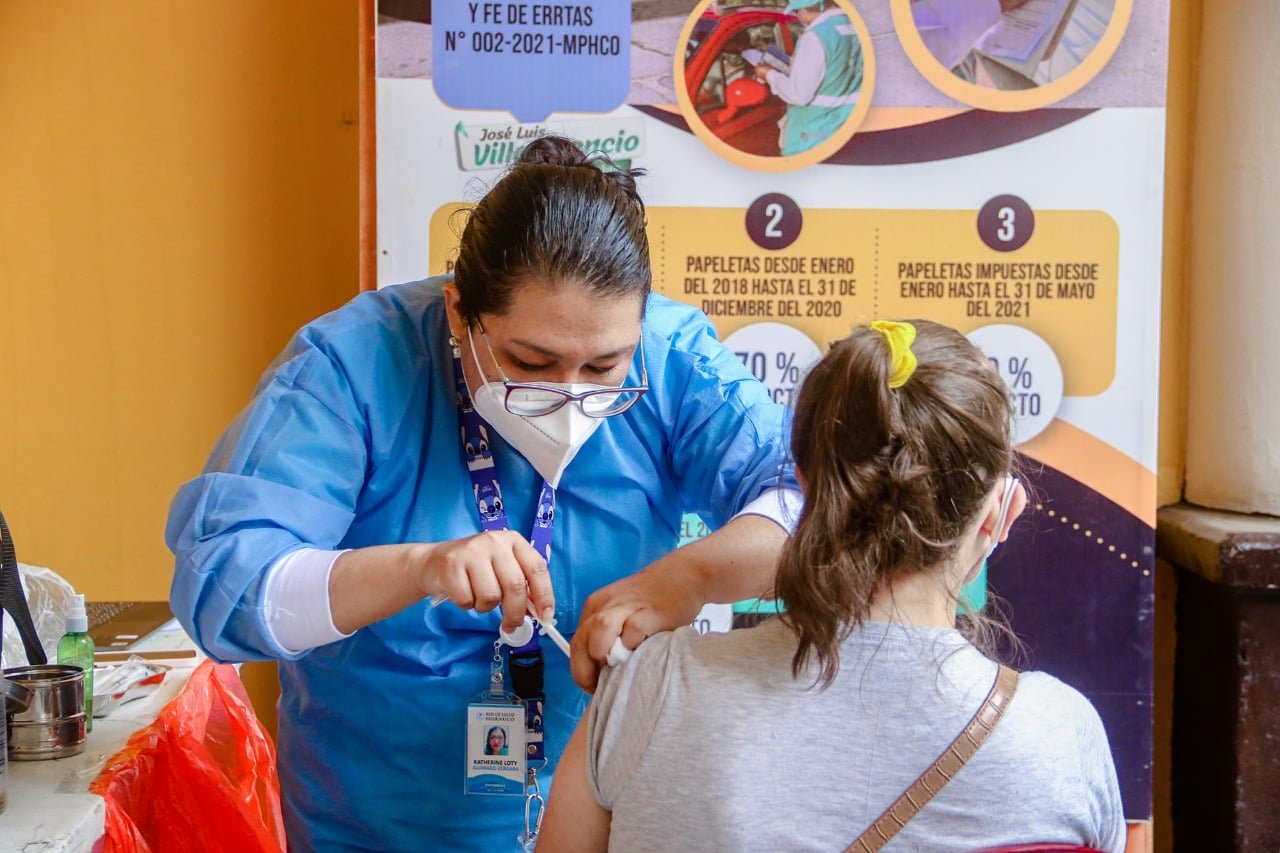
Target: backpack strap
x=14 y=600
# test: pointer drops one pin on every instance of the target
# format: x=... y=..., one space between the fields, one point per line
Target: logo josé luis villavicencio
x=494 y=146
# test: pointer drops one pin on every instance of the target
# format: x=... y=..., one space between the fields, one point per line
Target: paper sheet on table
x=1020 y=32
x=1088 y=23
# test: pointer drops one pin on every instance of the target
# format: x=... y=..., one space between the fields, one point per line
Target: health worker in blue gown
x=422 y=466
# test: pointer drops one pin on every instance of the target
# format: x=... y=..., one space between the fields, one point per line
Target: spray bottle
x=76 y=649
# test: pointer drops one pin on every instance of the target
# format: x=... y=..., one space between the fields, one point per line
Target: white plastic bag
x=116 y=684
x=48 y=599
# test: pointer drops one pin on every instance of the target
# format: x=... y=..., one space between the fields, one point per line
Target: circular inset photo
x=774 y=86
x=1010 y=55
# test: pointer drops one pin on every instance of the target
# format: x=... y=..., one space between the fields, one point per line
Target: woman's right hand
x=477 y=572
x=480 y=572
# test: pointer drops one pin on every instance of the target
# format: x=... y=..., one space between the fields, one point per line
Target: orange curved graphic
x=1109 y=472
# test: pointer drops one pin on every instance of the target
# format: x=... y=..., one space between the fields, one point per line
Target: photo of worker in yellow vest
x=823 y=80
x=775 y=79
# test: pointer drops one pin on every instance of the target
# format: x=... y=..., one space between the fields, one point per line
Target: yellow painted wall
x=1184 y=54
x=178 y=192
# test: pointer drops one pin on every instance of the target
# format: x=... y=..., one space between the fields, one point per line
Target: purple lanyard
x=478 y=455
x=525 y=662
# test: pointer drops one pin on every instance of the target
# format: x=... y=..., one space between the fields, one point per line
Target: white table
x=50 y=808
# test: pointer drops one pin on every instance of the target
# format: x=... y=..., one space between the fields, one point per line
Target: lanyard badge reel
x=495 y=737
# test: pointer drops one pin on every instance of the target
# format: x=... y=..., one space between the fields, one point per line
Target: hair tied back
x=902 y=361
x=552 y=151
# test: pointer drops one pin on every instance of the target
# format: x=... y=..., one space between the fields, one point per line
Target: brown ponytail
x=892 y=476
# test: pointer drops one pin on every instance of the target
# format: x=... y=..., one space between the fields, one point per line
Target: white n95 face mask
x=549 y=442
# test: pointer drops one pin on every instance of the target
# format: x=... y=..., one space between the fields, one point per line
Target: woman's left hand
x=736 y=562
x=661 y=597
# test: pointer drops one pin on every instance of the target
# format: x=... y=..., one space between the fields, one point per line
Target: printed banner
x=999 y=170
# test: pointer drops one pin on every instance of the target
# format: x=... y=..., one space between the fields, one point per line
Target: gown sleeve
x=286 y=474
x=729 y=439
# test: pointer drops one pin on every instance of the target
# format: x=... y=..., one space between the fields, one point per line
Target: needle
x=618 y=653
x=550 y=630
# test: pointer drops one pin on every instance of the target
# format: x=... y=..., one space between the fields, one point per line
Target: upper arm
x=287 y=473
x=728 y=437
x=807 y=68
x=574 y=820
x=606 y=748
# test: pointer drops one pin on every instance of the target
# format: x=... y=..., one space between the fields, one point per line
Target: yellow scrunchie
x=902 y=361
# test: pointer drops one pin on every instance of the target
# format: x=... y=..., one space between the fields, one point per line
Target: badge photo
x=495 y=749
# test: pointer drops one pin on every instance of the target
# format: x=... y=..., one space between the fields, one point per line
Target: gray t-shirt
x=708 y=743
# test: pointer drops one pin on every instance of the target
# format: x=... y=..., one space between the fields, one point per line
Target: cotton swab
x=618 y=653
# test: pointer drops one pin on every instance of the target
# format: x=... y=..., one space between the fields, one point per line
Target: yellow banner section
x=843 y=267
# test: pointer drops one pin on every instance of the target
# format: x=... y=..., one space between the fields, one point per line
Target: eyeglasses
x=535 y=399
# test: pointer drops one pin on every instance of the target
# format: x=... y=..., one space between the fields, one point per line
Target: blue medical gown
x=351 y=440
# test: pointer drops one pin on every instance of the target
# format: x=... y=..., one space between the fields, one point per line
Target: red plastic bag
x=201 y=777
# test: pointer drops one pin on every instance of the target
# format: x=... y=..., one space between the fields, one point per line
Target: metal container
x=53 y=726
x=13 y=697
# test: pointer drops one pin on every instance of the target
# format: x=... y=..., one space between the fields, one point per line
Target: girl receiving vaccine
x=808 y=731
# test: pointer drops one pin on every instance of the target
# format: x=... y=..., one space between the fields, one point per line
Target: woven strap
x=944 y=769
x=13 y=600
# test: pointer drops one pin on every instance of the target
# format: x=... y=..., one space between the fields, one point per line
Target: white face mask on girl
x=549 y=441
x=1006 y=501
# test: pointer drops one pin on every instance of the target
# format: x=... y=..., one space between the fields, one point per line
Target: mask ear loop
x=1006 y=501
x=475 y=358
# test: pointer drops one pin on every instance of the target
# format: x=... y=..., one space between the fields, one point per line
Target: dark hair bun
x=552 y=151
x=559 y=151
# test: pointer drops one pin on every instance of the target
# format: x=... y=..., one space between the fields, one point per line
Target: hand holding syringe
x=618 y=653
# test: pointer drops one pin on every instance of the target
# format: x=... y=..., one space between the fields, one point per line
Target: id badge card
x=495 y=747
